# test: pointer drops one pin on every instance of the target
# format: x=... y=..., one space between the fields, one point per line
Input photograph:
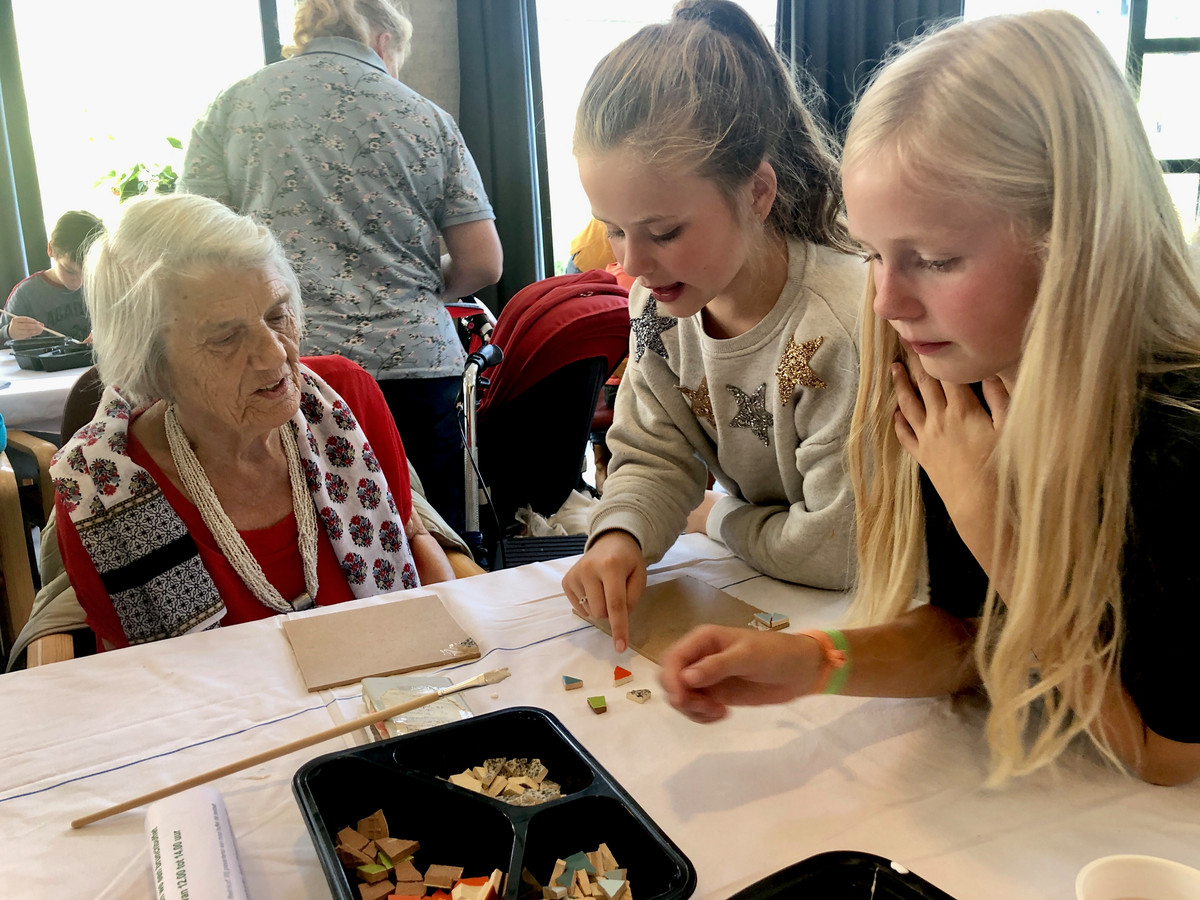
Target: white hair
x=132 y=275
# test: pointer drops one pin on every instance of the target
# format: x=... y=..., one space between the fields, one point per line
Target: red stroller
x=525 y=442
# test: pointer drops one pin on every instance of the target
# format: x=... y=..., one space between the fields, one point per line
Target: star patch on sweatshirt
x=700 y=401
x=794 y=369
x=648 y=326
x=752 y=412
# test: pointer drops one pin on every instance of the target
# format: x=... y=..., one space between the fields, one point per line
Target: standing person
x=1020 y=237
x=54 y=297
x=360 y=177
x=719 y=191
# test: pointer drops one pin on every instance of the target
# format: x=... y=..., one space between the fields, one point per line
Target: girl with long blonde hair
x=1021 y=239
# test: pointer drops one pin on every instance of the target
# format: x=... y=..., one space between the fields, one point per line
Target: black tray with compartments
x=846 y=875
x=405 y=777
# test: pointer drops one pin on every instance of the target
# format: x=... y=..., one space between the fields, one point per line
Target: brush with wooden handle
x=491 y=677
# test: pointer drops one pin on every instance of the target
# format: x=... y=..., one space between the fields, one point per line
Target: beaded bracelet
x=835 y=663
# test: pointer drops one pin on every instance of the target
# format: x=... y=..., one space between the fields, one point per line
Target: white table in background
x=33 y=400
x=742 y=798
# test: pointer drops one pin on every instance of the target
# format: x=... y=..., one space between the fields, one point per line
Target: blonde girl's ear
x=763 y=187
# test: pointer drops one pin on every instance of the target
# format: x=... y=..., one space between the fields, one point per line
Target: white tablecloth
x=742 y=798
x=33 y=401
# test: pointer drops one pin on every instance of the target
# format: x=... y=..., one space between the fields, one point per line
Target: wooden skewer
x=491 y=677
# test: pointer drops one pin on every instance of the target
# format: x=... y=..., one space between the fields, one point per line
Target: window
x=572 y=38
x=1158 y=44
x=106 y=85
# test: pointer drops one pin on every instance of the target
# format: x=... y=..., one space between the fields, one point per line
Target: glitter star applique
x=648 y=326
x=699 y=401
x=794 y=368
x=752 y=412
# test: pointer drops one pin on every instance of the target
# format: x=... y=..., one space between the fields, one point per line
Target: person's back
x=359 y=211
x=362 y=179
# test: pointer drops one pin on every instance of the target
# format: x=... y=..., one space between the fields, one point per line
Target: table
x=34 y=400
x=742 y=798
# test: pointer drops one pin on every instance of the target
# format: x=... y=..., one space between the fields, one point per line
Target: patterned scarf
x=148 y=561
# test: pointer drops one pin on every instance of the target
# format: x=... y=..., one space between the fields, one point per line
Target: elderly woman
x=362 y=179
x=223 y=479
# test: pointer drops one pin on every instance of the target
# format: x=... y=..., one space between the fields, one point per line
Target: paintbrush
x=491 y=677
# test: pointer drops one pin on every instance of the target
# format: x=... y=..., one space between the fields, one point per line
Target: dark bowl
x=405 y=776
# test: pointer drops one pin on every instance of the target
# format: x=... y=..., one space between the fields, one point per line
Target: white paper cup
x=1132 y=877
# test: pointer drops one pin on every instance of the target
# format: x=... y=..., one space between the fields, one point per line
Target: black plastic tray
x=404 y=776
x=66 y=356
x=27 y=350
x=845 y=875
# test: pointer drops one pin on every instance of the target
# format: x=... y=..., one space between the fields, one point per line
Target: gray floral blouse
x=358 y=175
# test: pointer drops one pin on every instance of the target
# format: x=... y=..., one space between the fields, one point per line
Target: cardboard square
x=670 y=609
x=351 y=644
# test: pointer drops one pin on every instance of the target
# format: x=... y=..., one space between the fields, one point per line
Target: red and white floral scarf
x=148 y=561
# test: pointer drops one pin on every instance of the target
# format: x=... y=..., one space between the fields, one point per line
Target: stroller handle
x=485 y=357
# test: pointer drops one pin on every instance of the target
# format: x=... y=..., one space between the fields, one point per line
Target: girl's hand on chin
x=953 y=438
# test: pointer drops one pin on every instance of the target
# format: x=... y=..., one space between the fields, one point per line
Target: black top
x=1160 y=662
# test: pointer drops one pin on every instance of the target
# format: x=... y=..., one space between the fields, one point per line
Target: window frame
x=1139 y=48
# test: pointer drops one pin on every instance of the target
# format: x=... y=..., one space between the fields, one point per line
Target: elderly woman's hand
x=430 y=558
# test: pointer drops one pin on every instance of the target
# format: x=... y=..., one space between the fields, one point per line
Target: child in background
x=719 y=192
x=54 y=297
x=1020 y=235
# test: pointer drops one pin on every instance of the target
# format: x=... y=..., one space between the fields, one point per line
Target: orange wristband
x=835 y=661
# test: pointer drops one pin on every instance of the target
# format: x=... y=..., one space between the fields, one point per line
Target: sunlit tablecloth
x=33 y=401
x=742 y=798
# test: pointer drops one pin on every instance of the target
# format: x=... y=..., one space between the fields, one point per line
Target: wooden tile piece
x=598 y=704
x=406 y=871
x=442 y=876
x=571 y=683
x=351 y=838
x=638 y=695
x=397 y=848
x=371 y=873
x=377 y=891
x=620 y=676
x=373 y=826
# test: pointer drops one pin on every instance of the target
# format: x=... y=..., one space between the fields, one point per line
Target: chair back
x=81 y=404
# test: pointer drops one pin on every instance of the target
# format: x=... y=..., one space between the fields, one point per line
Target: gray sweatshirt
x=767 y=412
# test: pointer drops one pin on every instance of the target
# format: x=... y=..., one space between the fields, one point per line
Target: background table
x=742 y=798
x=34 y=400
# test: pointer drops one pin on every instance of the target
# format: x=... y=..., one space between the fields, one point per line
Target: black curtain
x=500 y=114
x=840 y=42
x=22 y=227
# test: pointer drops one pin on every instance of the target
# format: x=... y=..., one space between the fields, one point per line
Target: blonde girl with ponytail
x=1021 y=240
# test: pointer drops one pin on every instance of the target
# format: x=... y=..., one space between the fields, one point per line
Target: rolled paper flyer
x=192 y=854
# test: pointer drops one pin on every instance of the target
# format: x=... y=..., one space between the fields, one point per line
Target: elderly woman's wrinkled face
x=232 y=353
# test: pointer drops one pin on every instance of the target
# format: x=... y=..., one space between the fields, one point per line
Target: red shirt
x=276 y=548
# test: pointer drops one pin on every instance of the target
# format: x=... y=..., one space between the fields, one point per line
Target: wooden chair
x=14 y=557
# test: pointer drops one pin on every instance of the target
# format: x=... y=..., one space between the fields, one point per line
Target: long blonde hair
x=1030 y=117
